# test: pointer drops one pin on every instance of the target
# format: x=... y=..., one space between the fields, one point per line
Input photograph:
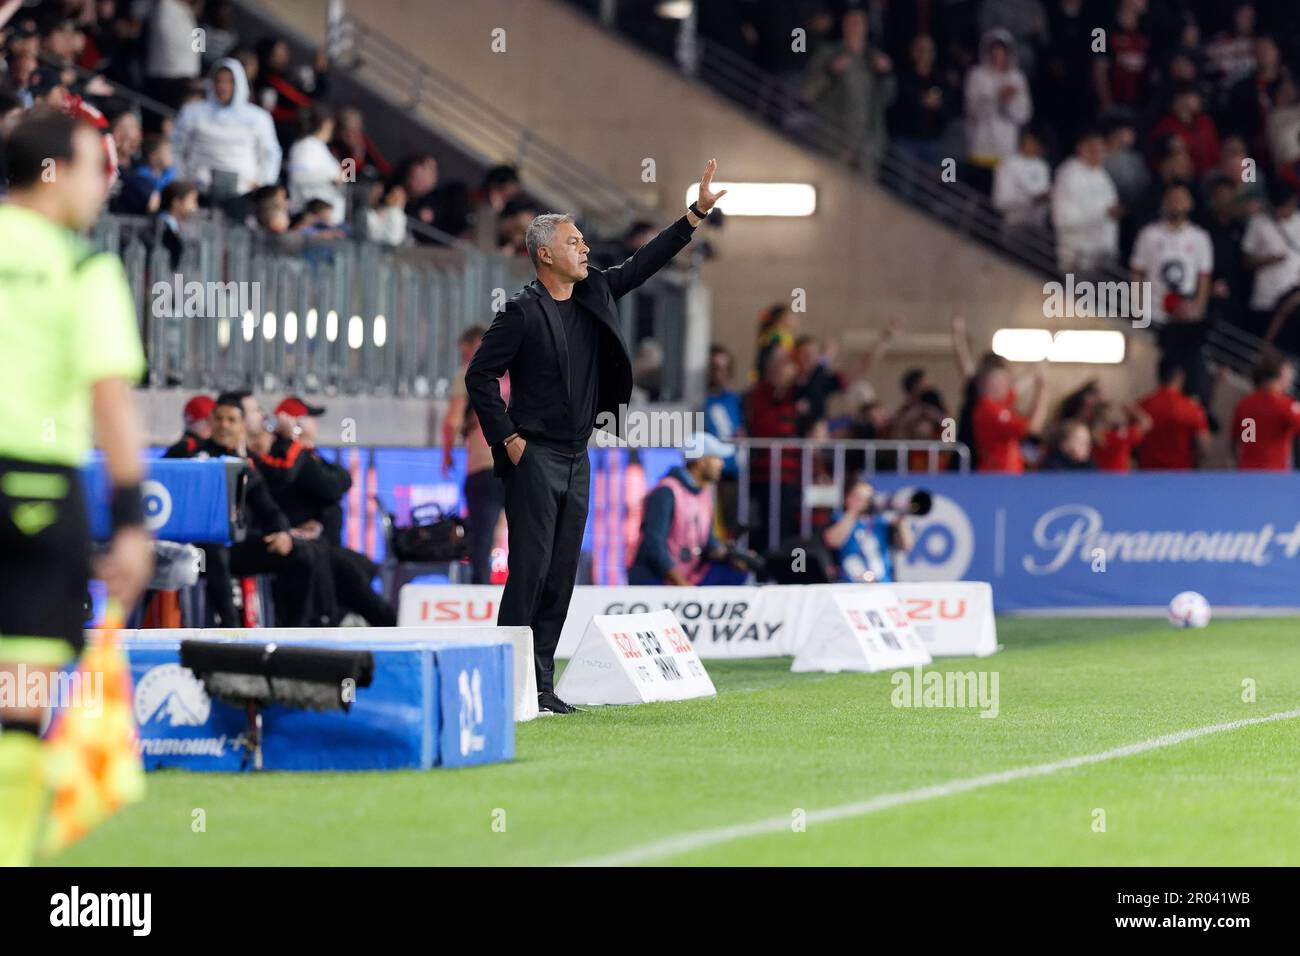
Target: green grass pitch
x=772 y=743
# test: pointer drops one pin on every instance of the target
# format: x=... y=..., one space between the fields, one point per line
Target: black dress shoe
x=548 y=703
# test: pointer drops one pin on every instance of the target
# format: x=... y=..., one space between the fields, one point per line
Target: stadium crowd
x=803 y=393
x=1083 y=121
x=234 y=124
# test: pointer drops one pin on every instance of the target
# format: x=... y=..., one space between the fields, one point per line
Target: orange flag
x=92 y=752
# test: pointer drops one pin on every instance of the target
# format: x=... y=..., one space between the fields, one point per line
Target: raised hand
x=707 y=196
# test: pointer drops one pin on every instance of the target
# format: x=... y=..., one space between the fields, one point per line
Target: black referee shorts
x=44 y=562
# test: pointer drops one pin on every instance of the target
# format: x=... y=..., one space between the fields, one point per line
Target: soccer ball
x=1189 y=609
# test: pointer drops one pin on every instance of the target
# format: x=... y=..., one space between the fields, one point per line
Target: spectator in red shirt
x=283 y=95
x=1119 y=431
x=1179 y=428
x=1186 y=121
x=772 y=412
x=1268 y=419
x=998 y=427
x=1122 y=74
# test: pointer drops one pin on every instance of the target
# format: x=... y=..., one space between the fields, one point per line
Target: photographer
x=678 y=545
x=868 y=533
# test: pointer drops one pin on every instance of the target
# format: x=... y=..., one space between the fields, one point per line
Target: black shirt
x=821 y=384
x=305 y=486
x=184 y=448
x=583 y=339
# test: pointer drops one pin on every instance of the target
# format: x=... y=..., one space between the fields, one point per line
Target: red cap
x=295 y=407
x=198 y=408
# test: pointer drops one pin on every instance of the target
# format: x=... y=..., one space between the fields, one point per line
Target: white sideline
x=688 y=842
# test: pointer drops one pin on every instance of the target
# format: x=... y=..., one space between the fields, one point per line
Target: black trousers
x=353 y=572
x=546 y=511
x=1183 y=342
x=788 y=509
x=303 y=582
x=485 y=496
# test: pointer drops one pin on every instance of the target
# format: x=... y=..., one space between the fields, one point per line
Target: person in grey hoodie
x=850 y=85
x=225 y=132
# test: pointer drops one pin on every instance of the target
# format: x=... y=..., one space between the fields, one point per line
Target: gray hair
x=542 y=230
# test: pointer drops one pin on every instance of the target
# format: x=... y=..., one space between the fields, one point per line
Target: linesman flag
x=92 y=753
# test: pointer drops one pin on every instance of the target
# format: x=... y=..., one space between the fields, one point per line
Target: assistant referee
x=69 y=351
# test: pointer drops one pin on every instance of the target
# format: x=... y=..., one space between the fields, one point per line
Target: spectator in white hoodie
x=1086 y=208
x=314 y=172
x=225 y=132
x=997 y=101
x=1022 y=185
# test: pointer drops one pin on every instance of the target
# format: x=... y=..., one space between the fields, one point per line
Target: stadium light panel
x=380 y=331
x=674 y=9
x=762 y=199
x=1094 y=346
x=290 y=327
x=250 y=325
x=1088 y=346
x=312 y=319
x=1022 y=345
x=268 y=326
x=356 y=332
x=331 y=325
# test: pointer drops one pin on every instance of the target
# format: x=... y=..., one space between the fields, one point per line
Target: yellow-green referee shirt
x=66 y=321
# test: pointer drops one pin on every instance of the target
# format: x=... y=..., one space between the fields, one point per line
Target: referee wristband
x=127 y=507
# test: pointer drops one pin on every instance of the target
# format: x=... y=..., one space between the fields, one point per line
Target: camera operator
x=678 y=545
x=865 y=537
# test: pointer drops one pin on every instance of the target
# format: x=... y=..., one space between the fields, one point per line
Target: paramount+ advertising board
x=1112 y=540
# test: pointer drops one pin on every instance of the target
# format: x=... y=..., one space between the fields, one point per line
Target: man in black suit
x=559 y=339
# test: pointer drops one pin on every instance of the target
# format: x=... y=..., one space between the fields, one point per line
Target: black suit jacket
x=527 y=339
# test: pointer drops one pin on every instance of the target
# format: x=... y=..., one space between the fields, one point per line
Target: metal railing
x=823 y=468
x=246 y=309
x=479 y=126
